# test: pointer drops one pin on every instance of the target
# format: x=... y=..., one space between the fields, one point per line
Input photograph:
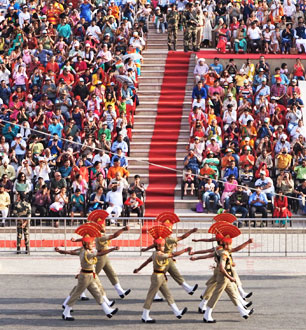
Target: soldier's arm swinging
x=137 y=270
x=243 y=245
x=207 y=256
x=187 y=234
x=213 y=239
x=119 y=232
x=201 y=251
x=103 y=252
x=148 y=248
x=178 y=253
x=71 y=252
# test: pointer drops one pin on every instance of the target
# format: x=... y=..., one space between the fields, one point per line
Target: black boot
x=174 y=47
x=169 y=47
x=18 y=250
x=27 y=251
x=186 y=49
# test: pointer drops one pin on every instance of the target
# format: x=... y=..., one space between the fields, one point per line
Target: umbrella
x=134 y=56
x=122 y=78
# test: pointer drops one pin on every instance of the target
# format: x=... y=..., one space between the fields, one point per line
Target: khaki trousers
x=104 y=263
x=223 y=284
x=199 y=33
x=158 y=283
x=174 y=272
x=86 y=281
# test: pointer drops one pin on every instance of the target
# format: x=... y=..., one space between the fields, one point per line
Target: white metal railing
x=45 y=234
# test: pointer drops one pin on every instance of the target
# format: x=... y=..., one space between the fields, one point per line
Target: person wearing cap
x=266 y=129
x=258 y=203
x=278 y=74
x=229 y=116
x=200 y=70
x=160 y=259
x=293 y=87
x=230 y=100
x=262 y=89
x=225 y=282
x=190 y=24
x=22 y=211
x=82 y=90
x=19 y=145
x=103 y=129
x=87 y=278
x=278 y=91
x=247 y=159
x=23 y=16
x=173 y=22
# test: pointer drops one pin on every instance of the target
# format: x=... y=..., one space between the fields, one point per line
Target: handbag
x=199 y=208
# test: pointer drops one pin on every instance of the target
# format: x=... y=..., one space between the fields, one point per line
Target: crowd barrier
x=287 y=238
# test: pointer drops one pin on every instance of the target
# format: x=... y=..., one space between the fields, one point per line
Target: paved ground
x=34 y=302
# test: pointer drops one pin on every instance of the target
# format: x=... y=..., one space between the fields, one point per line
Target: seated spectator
x=264 y=158
x=239 y=203
x=247 y=159
x=199 y=90
x=258 y=203
x=41 y=202
x=282 y=144
x=133 y=204
x=300 y=190
x=59 y=207
x=281 y=208
x=300 y=171
x=19 y=145
x=80 y=184
x=231 y=170
x=57 y=183
x=115 y=202
x=77 y=201
x=122 y=159
x=21 y=184
x=65 y=171
x=210 y=192
x=120 y=143
x=191 y=162
x=197 y=147
x=138 y=187
x=229 y=187
x=117 y=168
x=189 y=181
x=5 y=202
x=283 y=161
x=265 y=184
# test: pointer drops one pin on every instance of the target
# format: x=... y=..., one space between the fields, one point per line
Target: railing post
x=249 y=245
x=286 y=238
x=140 y=236
x=65 y=233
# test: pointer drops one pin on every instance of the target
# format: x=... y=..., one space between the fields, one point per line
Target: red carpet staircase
x=163 y=147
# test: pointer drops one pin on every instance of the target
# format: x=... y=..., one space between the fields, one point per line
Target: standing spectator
x=5 y=202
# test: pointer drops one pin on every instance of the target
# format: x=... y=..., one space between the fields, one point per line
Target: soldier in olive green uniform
x=172 y=21
x=158 y=279
x=170 y=244
x=87 y=277
x=22 y=209
x=225 y=282
x=190 y=24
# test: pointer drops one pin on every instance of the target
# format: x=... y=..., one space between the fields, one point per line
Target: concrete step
x=144 y=152
x=144 y=131
x=153 y=87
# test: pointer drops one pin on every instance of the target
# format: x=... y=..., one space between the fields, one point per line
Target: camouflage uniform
x=22 y=209
x=190 y=30
x=173 y=21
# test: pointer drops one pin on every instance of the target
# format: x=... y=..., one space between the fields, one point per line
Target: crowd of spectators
x=68 y=94
x=247 y=139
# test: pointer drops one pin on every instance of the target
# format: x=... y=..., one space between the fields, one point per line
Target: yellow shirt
x=5 y=200
x=283 y=161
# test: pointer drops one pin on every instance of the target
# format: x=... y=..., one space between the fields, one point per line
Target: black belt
x=87 y=271
x=161 y=272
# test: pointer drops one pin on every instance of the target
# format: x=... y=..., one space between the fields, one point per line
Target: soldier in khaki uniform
x=87 y=277
x=168 y=219
x=224 y=275
x=212 y=282
x=158 y=279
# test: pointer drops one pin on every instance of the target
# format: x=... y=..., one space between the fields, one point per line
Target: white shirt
x=115 y=197
x=18 y=149
x=254 y=33
x=289 y=10
x=260 y=182
x=93 y=31
x=229 y=117
x=42 y=172
x=243 y=120
x=104 y=160
x=22 y=17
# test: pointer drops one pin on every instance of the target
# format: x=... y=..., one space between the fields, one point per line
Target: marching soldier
x=173 y=21
x=190 y=24
x=212 y=282
x=87 y=277
x=168 y=219
x=22 y=209
x=224 y=276
x=160 y=261
x=102 y=243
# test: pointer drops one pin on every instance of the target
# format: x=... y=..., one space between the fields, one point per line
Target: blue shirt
x=53 y=148
x=123 y=145
x=262 y=196
x=85 y=12
x=123 y=161
x=285 y=80
x=231 y=171
x=196 y=92
x=65 y=171
x=218 y=68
